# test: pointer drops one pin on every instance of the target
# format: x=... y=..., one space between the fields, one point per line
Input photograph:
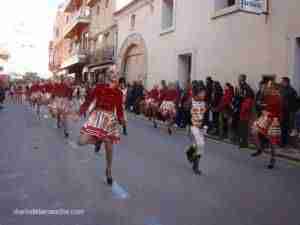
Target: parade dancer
x=267 y=126
x=169 y=99
x=198 y=128
x=152 y=104
x=103 y=123
x=123 y=88
x=61 y=106
x=36 y=97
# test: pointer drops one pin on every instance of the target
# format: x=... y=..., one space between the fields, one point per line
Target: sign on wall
x=256 y=6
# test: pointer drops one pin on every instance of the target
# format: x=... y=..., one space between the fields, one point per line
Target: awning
x=85 y=69
x=104 y=67
x=71 y=75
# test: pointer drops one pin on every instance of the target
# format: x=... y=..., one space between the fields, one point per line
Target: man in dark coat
x=289 y=96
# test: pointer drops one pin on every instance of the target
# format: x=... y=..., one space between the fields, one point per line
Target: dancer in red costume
x=168 y=101
x=103 y=123
x=61 y=106
x=36 y=96
x=268 y=125
x=152 y=104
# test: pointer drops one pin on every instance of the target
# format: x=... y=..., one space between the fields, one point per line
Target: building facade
x=186 y=40
x=102 y=36
x=84 y=39
x=59 y=46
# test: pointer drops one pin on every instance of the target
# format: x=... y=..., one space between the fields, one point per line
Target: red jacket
x=273 y=105
x=48 y=88
x=35 y=88
x=246 y=109
x=169 y=95
x=107 y=99
x=63 y=91
x=226 y=100
x=154 y=94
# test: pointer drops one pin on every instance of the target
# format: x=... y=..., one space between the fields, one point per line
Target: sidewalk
x=288 y=153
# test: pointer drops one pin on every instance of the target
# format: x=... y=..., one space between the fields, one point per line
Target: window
x=98 y=9
x=132 y=21
x=106 y=3
x=222 y=4
x=168 y=8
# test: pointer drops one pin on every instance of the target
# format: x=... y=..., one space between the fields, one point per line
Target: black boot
x=66 y=134
x=257 y=153
x=98 y=146
x=189 y=153
x=154 y=124
x=125 y=130
x=109 y=179
x=196 y=169
x=271 y=164
x=169 y=131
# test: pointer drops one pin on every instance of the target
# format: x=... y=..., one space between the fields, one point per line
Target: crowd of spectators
x=232 y=110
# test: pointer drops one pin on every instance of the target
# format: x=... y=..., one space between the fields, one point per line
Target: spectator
x=289 y=96
x=208 y=114
x=245 y=117
x=239 y=96
x=217 y=93
x=225 y=107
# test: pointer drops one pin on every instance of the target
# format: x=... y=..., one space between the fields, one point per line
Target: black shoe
x=257 y=153
x=66 y=134
x=272 y=164
x=109 y=179
x=125 y=131
x=155 y=124
x=196 y=169
x=189 y=153
x=169 y=131
x=98 y=147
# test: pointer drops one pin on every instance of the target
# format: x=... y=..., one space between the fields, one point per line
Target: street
x=40 y=169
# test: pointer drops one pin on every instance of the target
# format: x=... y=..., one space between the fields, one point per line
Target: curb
x=161 y=124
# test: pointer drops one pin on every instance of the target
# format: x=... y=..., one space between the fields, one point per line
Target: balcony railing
x=103 y=54
x=77 y=55
x=80 y=18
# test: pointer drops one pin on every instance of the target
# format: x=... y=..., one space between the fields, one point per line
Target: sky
x=26 y=29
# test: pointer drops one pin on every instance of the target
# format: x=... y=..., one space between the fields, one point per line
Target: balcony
x=71 y=5
x=91 y=3
x=78 y=21
x=104 y=54
x=77 y=56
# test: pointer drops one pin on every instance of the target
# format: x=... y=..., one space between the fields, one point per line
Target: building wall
x=101 y=23
x=222 y=47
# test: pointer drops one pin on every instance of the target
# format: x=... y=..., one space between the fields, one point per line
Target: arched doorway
x=133 y=59
x=134 y=64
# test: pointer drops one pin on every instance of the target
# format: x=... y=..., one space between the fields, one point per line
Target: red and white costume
x=152 y=99
x=61 y=103
x=168 y=100
x=103 y=121
x=36 y=93
x=268 y=124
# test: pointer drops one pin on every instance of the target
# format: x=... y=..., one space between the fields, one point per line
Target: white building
x=192 y=39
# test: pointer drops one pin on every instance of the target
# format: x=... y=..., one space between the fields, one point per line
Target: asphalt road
x=39 y=169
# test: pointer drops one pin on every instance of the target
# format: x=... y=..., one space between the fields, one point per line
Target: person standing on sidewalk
x=289 y=97
x=245 y=117
x=267 y=126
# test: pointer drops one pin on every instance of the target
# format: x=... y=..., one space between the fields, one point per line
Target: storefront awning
x=104 y=67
